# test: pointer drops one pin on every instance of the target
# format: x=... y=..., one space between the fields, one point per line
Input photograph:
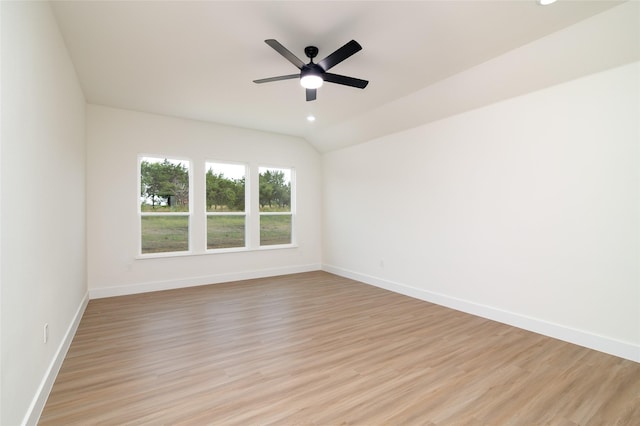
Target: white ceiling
x=198 y=59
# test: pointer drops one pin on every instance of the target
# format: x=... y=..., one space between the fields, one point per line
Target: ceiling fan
x=312 y=75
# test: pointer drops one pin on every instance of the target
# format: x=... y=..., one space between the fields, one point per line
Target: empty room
x=320 y=212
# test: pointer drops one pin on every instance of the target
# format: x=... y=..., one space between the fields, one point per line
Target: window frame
x=245 y=213
x=188 y=214
x=291 y=212
x=197 y=214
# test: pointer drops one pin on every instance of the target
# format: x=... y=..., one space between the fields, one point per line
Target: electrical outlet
x=46 y=333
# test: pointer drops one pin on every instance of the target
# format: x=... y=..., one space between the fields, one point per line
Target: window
x=225 y=200
x=238 y=207
x=276 y=212
x=164 y=205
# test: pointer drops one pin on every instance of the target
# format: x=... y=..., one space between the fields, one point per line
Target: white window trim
x=142 y=214
x=291 y=212
x=252 y=206
x=245 y=213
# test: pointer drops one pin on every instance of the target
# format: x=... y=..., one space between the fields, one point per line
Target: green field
x=165 y=234
x=275 y=230
x=225 y=231
x=162 y=234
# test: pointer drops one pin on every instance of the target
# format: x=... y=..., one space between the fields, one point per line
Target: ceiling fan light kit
x=313 y=75
x=311 y=80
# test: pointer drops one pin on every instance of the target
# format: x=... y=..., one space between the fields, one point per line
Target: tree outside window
x=164 y=205
x=226 y=198
x=276 y=213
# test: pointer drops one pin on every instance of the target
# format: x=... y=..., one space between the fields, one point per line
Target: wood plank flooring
x=319 y=349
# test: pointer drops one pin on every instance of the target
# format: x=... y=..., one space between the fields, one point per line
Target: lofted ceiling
x=198 y=59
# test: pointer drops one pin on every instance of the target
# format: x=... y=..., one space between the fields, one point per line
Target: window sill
x=213 y=252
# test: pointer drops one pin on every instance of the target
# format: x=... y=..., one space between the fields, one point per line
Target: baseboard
x=40 y=399
x=604 y=344
x=98 y=293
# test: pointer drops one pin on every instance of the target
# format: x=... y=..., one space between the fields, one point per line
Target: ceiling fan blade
x=343 y=79
x=282 y=77
x=340 y=55
x=311 y=94
x=285 y=52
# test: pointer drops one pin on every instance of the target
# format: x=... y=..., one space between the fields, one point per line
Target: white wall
x=116 y=137
x=525 y=211
x=43 y=273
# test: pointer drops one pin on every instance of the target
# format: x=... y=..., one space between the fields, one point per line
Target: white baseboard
x=98 y=293
x=39 y=400
x=604 y=344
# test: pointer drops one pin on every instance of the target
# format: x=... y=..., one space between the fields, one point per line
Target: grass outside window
x=165 y=234
x=275 y=230
x=225 y=231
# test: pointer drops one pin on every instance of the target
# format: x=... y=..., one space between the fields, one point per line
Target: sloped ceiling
x=198 y=59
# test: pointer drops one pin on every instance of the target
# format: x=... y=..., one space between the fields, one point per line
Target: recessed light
x=311 y=118
x=546 y=2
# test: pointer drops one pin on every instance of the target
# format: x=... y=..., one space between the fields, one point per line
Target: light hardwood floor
x=315 y=348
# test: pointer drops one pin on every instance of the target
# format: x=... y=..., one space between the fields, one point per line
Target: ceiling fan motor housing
x=311 y=77
x=311 y=69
